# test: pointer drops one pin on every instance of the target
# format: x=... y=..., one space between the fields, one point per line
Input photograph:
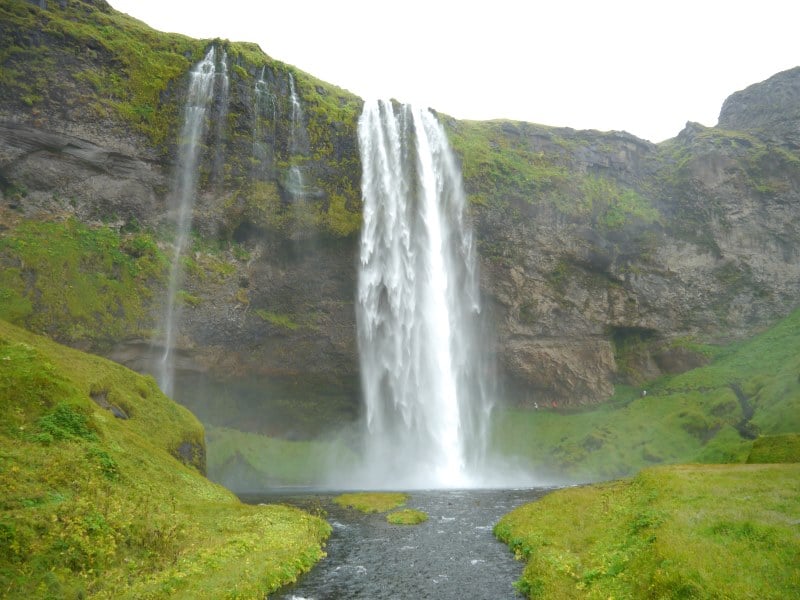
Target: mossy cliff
x=90 y=104
x=605 y=258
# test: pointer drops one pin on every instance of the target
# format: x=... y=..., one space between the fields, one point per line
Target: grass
x=783 y=448
x=407 y=516
x=695 y=531
x=710 y=415
x=372 y=502
x=103 y=507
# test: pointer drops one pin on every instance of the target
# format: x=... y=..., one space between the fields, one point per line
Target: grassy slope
x=698 y=416
x=691 y=531
x=98 y=506
x=698 y=531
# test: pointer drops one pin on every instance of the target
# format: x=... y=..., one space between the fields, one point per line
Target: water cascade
x=298 y=142
x=198 y=99
x=223 y=102
x=424 y=369
x=265 y=108
x=298 y=139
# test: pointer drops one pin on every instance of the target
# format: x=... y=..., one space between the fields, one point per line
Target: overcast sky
x=643 y=66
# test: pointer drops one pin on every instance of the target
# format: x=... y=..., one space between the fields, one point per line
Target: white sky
x=643 y=66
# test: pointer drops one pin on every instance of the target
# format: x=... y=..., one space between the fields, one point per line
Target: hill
x=104 y=495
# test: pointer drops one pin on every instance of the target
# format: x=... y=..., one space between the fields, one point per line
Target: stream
x=453 y=555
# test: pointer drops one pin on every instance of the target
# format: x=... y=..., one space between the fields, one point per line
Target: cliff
x=605 y=258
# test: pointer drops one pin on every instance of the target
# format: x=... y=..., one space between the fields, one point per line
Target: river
x=453 y=555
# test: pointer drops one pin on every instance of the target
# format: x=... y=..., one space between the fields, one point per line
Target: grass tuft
x=372 y=502
x=407 y=516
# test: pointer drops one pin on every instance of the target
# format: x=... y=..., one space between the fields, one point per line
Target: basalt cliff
x=605 y=258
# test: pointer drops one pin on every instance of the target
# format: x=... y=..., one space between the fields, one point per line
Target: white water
x=298 y=129
x=265 y=107
x=224 y=85
x=298 y=142
x=423 y=367
x=198 y=99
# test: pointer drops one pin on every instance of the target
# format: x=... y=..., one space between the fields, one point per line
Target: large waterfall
x=423 y=363
x=198 y=99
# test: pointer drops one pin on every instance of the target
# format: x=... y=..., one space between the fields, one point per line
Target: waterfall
x=198 y=99
x=223 y=103
x=424 y=369
x=265 y=107
x=298 y=142
x=298 y=129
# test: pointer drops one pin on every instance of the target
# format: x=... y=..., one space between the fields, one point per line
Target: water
x=221 y=118
x=453 y=555
x=425 y=373
x=265 y=108
x=298 y=142
x=198 y=99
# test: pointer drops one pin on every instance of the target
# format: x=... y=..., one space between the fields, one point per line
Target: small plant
x=63 y=423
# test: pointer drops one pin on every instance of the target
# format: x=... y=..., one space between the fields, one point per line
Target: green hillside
x=103 y=494
x=709 y=415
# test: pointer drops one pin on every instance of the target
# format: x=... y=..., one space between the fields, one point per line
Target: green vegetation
x=105 y=67
x=710 y=414
x=278 y=320
x=119 y=67
x=500 y=162
x=78 y=283
x=372 y=502
x=670 y=532
x=407 y=516
x=776 y=449
x=102 y=507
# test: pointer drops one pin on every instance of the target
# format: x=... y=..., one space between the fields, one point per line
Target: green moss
x=372 y=502
x=93 y=505
x=188 y=299
x=407 y=516
x=501 y=165
x=282 y=321
x=79 y=283
x=672 y=532
x=776 y=449
x=125 y=66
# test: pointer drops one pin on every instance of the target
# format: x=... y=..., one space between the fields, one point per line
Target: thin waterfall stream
x=198 y=100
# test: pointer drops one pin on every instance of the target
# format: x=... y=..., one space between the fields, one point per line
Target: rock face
x=769 y=109
x=583 y=299
x=604 y=257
